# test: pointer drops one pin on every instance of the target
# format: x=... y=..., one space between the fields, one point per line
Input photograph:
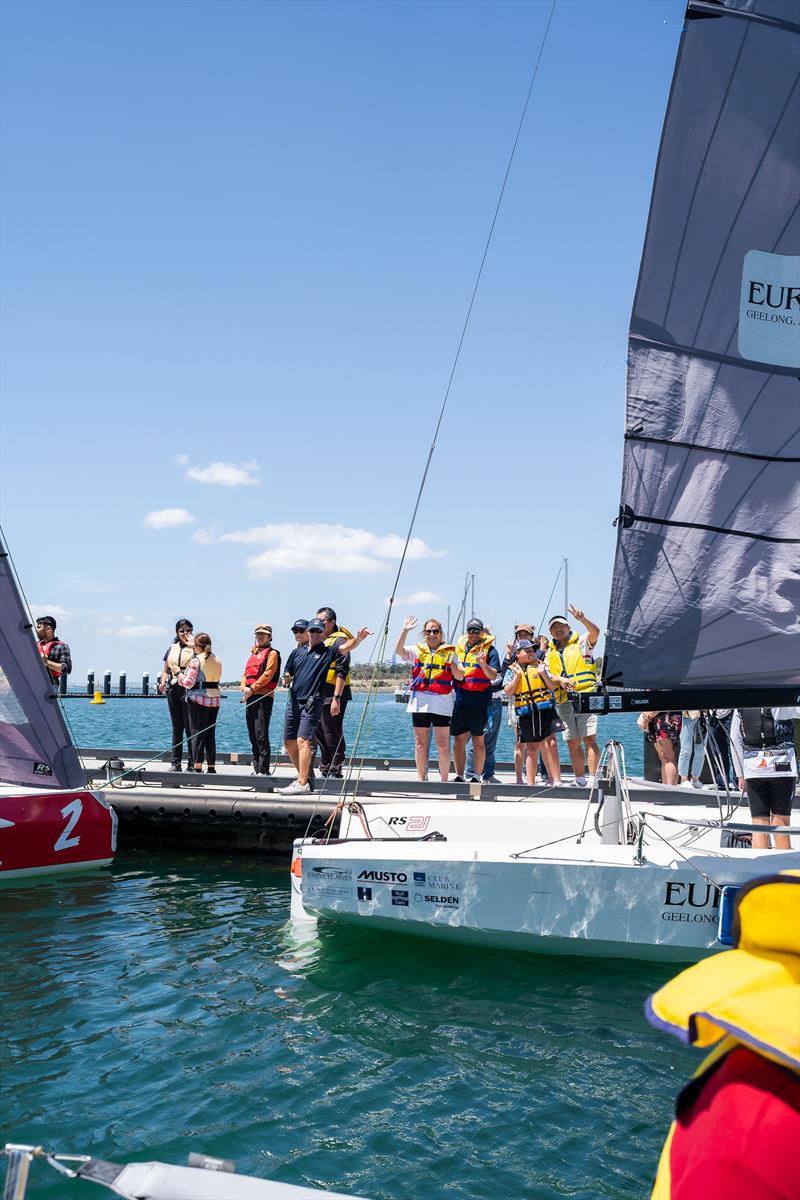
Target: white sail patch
x=769 y=308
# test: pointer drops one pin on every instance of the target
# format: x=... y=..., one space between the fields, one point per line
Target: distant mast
x=706 y=585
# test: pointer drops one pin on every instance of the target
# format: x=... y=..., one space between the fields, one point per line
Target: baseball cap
x=523 y=626
x=316 y=626
x=523 y=644
x=557 y=617
x=300 y=624
x=475 y=625
x=264 y=629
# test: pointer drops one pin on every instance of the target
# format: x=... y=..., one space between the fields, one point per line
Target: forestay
x=706 y=588
x=35 y=747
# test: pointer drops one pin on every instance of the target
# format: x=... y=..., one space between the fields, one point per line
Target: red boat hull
x=49 y=832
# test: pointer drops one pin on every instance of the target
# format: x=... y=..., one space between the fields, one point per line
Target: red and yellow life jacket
x=431 y=671
x=474 y=679
x=45 y=649
x=256 y=665
x=529 y=690
x=570 y=663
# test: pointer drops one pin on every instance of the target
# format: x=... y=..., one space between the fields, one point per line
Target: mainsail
x=35 y=747
x=706 y=587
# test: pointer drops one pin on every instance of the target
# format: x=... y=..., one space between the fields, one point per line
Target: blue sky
x=238 y=243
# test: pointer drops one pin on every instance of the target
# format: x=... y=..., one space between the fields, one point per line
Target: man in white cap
x=259 y=681
x=571 y=664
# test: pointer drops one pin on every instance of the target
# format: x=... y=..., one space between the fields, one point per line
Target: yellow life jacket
x=474 y=679
x=570 y=663
x=343 y=634
x=749 y=996
x=531 y=690
x=431 y=671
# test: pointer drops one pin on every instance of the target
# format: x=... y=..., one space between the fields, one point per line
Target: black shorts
x=767 y=796
x=469 y=718
x=301 y=719
x=425 y=720
x=538 y=725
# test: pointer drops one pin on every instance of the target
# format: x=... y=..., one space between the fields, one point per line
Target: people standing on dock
x=431 y=695
x=200 y=681
x=475 y=666
x=663 y=729
x=570 y=662
x=336 y=695
x=692 y=756
x=259 y=681
x=55 y=653
x=762 y=740
x=176 y=659
x=306 y=670
x=531 y=690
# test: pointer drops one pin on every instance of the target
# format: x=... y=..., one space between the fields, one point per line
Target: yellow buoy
x=98 y=698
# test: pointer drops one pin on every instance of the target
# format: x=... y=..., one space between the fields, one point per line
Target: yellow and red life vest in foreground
x=738 y=1120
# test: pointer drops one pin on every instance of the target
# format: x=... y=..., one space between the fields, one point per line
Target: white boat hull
x=566 y=897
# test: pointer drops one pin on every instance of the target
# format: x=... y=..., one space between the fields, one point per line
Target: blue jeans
x=491 y=732
x=692 y=754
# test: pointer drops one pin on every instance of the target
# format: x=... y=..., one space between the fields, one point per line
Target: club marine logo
x=439 y=883
x=769 y=308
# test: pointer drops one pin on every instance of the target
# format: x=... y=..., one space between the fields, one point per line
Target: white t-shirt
x=427 y=702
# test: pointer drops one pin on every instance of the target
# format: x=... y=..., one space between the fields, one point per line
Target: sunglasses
x=427 y=631
x=185 y=628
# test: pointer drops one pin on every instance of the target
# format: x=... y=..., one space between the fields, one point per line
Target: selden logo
x=384 y=876
x=769 y=308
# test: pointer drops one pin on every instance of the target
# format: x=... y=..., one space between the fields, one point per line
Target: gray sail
x=706 y=587
x=35 y=747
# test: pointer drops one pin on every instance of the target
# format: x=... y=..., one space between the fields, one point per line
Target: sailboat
x=50 y=822
x=705 y=599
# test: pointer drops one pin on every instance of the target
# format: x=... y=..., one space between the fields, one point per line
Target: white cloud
x=141 y=631
x=420 y=598
x=128 y=627
x=50 y=610
x=296 y=547
x=181 y=460
x=225 y=474
x=168 y=518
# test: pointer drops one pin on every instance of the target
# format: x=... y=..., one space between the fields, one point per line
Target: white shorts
x=576 y=725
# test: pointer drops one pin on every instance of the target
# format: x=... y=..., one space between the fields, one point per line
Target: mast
x=566 y=586
x=705 y=598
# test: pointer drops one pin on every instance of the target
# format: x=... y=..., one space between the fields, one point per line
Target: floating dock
x=236 y=810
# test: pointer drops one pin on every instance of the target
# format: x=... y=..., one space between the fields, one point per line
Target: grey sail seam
x=776 y=458
x=713 y=356
x=628 y=517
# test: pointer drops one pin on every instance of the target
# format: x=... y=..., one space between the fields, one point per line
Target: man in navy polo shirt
x=307 y=666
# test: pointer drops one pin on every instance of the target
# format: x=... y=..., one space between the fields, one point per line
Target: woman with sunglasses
x=431 y=702
x=176 y=659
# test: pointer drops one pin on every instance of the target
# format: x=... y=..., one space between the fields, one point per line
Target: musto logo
x=691 y=903
x=769 y=308
x=384 y=876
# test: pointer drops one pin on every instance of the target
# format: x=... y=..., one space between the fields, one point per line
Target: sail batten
x=706 y=586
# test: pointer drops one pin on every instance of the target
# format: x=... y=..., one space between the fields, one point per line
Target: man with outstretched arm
x=307 y=667
x=571 y=664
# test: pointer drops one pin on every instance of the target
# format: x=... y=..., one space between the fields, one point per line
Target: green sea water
x=165 y=1006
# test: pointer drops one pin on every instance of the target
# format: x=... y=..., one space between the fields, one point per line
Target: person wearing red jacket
x=259 y=681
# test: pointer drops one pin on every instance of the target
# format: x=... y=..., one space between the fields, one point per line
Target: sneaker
x=697 y=784
x=189 y=767
x=474 y=779
x=211 y=770
x=687 y=783
x=458 y=779
x=579 y=781
x=296 y=788
x=590 y=781
x=176 y=767
x=492 y=779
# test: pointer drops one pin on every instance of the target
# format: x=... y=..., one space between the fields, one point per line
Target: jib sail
x=706 y=587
